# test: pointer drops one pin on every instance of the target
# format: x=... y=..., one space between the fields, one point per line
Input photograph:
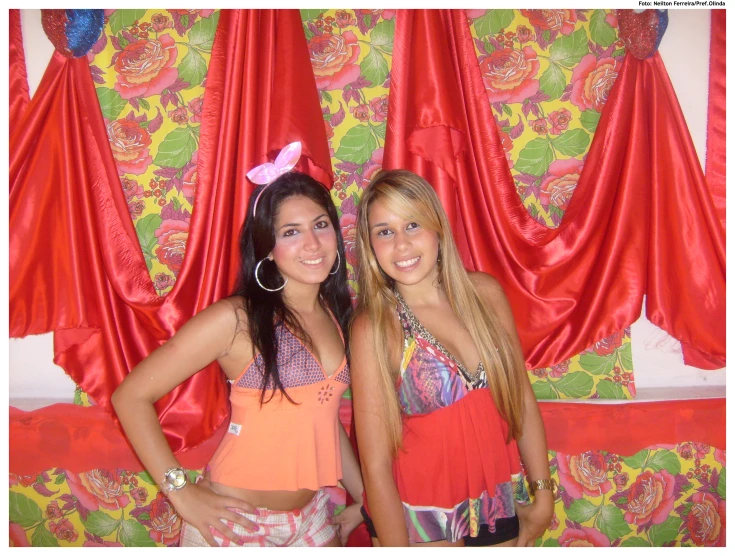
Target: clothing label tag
x=235 y=429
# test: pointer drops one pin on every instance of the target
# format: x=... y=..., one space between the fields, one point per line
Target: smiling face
x=306 y=242
x=405 y=250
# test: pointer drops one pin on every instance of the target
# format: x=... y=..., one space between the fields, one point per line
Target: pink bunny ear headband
x=267 y=173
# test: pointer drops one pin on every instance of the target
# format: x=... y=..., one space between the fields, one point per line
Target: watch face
x=176 y=478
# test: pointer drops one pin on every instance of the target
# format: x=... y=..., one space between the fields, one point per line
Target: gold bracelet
x=542 y=484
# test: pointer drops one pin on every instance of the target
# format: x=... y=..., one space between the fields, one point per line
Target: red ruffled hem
x=455 y=453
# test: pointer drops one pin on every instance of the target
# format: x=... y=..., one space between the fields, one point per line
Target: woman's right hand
x=201 y=507
x=206 y=337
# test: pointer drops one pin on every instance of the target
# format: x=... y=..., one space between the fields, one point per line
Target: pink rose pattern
x=657 y=497
x=510 y=74
x=584 y=475
x=142 y=69
x=536 y=99
x=520 y=89
x=133 y=511
x=333 y=58
x=561 y=181
x=354 y=100
x=584 y=536
x=661 y=496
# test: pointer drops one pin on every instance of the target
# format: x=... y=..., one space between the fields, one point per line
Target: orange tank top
x=280 y=445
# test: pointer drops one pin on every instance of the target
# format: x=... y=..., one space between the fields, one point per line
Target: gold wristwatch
x=542 y=484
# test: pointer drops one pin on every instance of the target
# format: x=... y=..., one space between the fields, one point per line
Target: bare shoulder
x=216 y=325
x=234 y=306
x=360 y=326
x=362 y=340
x=221 y=314
x=493 y=295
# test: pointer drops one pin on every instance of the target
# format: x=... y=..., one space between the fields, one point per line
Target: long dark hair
x=266 y=310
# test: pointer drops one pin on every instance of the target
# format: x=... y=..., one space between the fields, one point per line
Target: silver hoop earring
x=336 y=270
x=257 y=267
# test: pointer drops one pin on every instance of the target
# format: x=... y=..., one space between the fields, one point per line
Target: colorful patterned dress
x=455 y=471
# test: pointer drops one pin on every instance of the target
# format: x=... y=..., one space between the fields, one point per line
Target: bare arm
x=532 y=443
x=203 y=339
x=351 y=516
x=351 y=476
x=386 y=509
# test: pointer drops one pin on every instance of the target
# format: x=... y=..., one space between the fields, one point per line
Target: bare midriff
x=277 y=455
x=279 y=500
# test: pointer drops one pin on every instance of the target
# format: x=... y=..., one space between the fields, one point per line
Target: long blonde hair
x=410 y=196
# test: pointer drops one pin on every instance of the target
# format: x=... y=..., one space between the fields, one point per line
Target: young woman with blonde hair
x=442 y=400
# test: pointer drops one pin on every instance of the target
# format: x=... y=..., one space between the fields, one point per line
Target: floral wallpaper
x=547 y=74
x=661 y=496
x=101 y=507
x=351 y=54
x=149 y=68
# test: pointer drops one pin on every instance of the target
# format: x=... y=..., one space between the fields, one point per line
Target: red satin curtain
x=641 y=220
x=83 y=438
x=17 y=74
x=76 y=266
x=715 y=167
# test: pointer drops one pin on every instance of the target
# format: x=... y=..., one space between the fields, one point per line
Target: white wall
x=33 y=374
x=660 y=372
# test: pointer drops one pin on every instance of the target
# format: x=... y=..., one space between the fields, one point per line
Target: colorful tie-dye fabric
x=435 y=387
x=429 y=523
x=430 y=376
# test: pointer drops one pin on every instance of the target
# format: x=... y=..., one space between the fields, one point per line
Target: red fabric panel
x=626 y=429
x=82 y=272
x=626 y=232
x=17 y=75
x=716 y=110
x=83 y=438
x=80 y=439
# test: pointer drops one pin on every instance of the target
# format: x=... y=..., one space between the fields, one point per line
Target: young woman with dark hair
x=281 y=339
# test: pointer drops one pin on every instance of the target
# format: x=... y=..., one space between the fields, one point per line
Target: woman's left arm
x=534 y=518
x=351 y=476
x=351 y=516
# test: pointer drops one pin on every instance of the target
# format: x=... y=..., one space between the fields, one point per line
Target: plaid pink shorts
x=309 y=526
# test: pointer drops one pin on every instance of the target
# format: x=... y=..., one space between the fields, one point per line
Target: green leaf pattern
x=644 y=499
x=154 y=136
x=696 y=470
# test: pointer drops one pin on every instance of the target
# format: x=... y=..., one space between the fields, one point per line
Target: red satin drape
x=19 y=95
x=76 y=266
x=641 y=220
x=715 y=167
x=83 y=438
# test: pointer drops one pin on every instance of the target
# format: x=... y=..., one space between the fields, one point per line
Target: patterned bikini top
x=281 y=445
x=430 y=376
x=297 y=366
